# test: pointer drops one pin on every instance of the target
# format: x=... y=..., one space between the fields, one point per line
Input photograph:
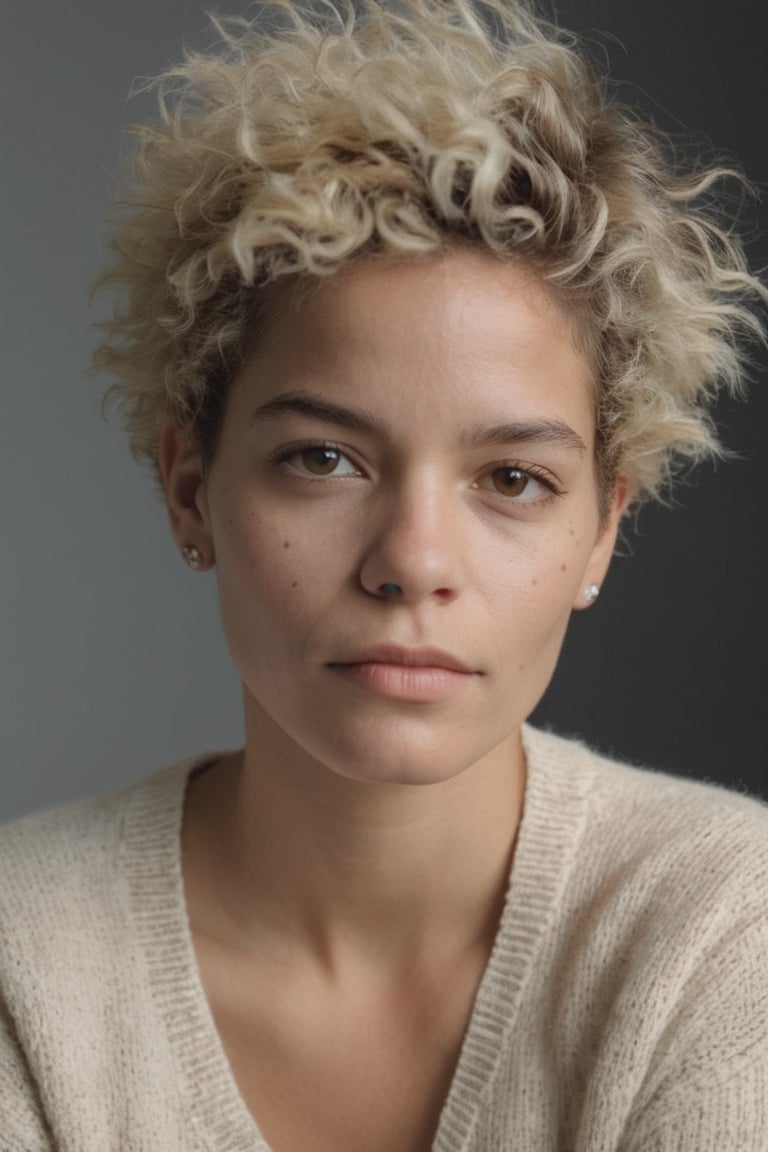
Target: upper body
x=624 y=1005
x=414 y=314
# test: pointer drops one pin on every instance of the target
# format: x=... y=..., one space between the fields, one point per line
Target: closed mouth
x=416 y=658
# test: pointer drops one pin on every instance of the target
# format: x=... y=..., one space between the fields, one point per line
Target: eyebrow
x=307 y=404
x=555 y=432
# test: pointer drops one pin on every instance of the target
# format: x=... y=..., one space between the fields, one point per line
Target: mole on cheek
x=286 y=543
x=563 y=567
x=295 y=584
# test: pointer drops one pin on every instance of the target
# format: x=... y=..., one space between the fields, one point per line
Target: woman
x=414 y=316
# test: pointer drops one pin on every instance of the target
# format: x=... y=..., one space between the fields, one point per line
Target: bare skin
x=345 y=874
x=343 y=1025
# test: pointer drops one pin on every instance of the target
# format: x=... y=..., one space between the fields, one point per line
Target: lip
x=416 y=675
x=409 y=657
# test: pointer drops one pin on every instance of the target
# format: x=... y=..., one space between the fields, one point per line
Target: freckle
x=295 y=584
x=534 y=582
x=570 y=531
x=563 y=567
x=286 y=543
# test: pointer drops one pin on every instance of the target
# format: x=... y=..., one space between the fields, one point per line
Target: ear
x=184 y=484
x=602 y=553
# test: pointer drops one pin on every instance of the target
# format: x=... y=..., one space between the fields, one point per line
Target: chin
x=415 y=762
x=431 y=747
x=402 y=775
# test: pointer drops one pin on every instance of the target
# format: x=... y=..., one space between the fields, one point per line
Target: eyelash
x=283 y=455
x=533 y=471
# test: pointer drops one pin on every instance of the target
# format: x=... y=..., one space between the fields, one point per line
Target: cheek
x=532 y=593
x=272 y=582
x=543 y=571
x=253 y=574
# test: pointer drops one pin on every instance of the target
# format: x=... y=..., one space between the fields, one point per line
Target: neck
x=282 y=848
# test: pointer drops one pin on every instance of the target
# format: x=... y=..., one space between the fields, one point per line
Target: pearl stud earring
x=192 y=556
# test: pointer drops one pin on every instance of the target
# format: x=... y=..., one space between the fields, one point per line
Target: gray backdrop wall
x=111 y=661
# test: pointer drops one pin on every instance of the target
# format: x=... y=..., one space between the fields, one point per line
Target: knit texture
x=624 y=1005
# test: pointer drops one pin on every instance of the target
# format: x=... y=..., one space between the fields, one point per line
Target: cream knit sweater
x=624 y=1006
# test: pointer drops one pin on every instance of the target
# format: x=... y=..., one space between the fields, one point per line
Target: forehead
x=447 y=337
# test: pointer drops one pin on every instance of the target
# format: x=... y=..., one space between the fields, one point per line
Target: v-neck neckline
x=553 y=814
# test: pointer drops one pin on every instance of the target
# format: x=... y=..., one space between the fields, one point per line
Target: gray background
x=111 y=661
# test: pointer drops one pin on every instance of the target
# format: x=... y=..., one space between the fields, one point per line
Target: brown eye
x=510 y=481
x=320 y=461
x=315 y=461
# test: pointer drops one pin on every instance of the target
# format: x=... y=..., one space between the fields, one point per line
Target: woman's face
x=426 y=425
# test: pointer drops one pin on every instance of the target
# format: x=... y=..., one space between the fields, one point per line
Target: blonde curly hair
x=312 y=137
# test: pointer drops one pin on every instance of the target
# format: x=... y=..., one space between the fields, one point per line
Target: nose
x=415 y=547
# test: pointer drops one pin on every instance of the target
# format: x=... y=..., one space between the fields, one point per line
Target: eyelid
x=534 y=471
x=284 y=453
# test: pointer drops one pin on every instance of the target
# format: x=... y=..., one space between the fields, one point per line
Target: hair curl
x=312 y=137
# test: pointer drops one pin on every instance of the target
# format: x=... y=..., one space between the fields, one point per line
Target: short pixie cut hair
x=315 y=136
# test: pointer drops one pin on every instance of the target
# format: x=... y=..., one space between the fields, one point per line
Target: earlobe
x=602 y=553
x=183 y=480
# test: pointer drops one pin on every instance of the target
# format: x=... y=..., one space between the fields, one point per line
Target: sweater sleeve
x=22 y=1122
x=709 y=1089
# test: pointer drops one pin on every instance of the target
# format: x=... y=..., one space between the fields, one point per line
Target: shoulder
x=659 y=941
x=54 y=866
x=67 y=843
x=77 y=1006
x=636 y=814
x=60 y=870
x=59 y=842
x=676 y=864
